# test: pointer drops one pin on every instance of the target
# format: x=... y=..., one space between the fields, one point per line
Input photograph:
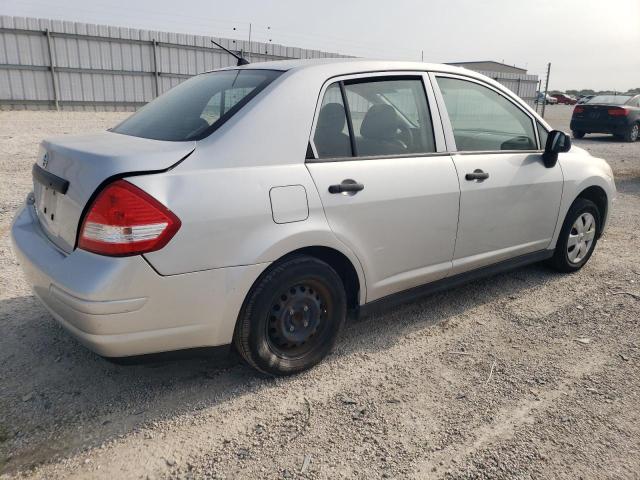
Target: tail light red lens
x=124 y=220
x=578 y=110
x=618 y=112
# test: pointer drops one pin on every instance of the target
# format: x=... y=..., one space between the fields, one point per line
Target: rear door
x=389 y=189
x=509 y=200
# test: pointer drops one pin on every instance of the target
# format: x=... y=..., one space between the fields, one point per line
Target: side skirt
x=415 y=293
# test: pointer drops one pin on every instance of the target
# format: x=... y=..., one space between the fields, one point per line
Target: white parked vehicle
x=259 y=205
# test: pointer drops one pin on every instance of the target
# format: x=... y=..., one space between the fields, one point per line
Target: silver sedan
x=260 y=205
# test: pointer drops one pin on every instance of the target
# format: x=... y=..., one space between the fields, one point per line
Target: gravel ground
x=529 y=374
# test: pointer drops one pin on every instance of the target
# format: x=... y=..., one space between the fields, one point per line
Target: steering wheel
x=405 y=136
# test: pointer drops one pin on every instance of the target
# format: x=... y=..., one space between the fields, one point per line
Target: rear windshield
x=198 y=106
x=610 y=99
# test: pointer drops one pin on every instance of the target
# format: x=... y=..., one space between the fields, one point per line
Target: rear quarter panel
x=227 y=218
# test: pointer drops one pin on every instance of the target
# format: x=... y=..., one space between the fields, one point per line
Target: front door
x=509 y=200
x=388 y=192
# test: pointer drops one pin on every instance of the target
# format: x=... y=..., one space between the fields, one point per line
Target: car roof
x=345 y=66
x=310 y=70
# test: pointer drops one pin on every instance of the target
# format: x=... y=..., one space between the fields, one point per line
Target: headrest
x=331 y=118
x=380 y=123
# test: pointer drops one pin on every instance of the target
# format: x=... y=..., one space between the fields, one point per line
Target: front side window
x=543 y=134
x=388 y=117
x=483 y=120
x=196 y=107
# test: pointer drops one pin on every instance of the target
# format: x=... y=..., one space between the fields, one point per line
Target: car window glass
x=543 y=134
x=390 y=117
x=331 y=137
x=610 y=99
x=483 y=120
x=191 y=110
x=221 y=102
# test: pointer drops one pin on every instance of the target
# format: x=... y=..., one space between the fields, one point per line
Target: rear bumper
x=121 y=306
x=615 y=126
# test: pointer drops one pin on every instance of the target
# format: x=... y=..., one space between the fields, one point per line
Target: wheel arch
x=341 y=264
x=352 y=279
x=597 y=195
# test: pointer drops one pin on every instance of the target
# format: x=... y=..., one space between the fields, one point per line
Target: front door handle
x=347 y=186
x=477 y=175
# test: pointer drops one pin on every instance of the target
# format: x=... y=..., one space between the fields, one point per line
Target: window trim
x=347 y=114
x=380 y=76
x=377 y=157
x=448 y=127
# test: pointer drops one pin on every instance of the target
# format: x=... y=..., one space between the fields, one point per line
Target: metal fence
x=48 y=64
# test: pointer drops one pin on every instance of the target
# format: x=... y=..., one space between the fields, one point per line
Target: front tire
x=632 y=134
x=578 y=236
x=578 y=134
x=292 y=317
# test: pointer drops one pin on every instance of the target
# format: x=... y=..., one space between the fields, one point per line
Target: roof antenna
x=241 y=60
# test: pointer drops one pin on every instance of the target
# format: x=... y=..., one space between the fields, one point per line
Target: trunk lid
x=592 y=112
x=82 y=163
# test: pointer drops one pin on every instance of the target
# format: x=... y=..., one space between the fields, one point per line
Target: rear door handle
x=347 y=186
x=477 y=175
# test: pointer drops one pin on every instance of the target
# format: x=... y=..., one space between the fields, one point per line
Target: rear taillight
x=618 y=112
x=124 y=220
x=578 y=110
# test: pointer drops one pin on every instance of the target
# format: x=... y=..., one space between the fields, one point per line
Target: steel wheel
x=581 y=236
x=292 y=316
x=297 y=317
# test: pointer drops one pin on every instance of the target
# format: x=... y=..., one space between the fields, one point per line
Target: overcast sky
x=590 y=43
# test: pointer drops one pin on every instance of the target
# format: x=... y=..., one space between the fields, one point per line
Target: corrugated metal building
x=514 y=78
x=77 y=66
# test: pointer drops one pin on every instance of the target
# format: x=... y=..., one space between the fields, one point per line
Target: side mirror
x=557 y=142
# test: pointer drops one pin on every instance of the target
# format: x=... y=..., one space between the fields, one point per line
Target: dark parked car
x=615 y=114
x=564 y=99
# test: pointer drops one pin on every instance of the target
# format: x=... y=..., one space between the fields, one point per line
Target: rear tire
x=632 y=134
x=578 y=134
x=578 y=237
x=292 y=317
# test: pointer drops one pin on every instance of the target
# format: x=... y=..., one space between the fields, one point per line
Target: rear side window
x=332 y=134
x=483 y=120
x=387 y=116
x=198 y=106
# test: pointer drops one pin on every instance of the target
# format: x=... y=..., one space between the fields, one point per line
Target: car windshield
x=198 y=106
x=611 y=99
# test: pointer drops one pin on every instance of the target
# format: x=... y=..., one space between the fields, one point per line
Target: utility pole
x=546 y=88
x=422 y=56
